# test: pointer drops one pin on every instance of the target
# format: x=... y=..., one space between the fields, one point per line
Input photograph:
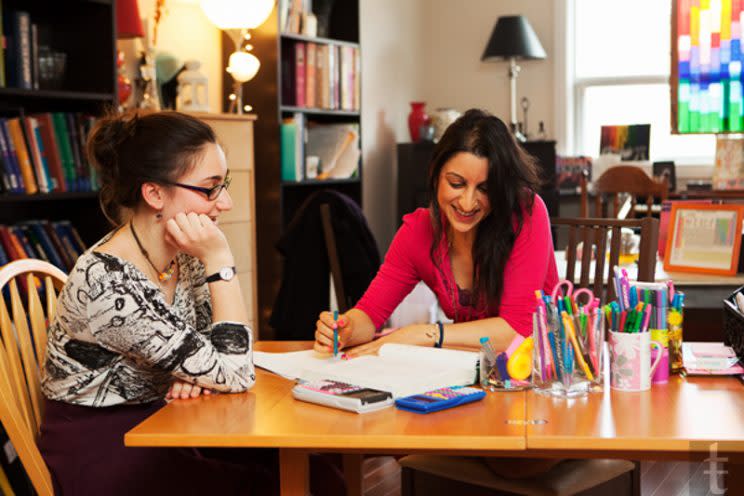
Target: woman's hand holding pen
x=324 y=328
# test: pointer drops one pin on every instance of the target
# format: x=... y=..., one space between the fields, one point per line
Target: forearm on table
x=468 y=334
x=363 y=330
x=227 y=301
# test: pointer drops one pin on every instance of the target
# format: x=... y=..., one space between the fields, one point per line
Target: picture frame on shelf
x=704 y=238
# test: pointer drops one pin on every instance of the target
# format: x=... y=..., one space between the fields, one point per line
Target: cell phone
x=439 y=399
x=342 y=395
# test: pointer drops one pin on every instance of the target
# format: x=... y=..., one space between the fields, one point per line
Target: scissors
x=573 y=295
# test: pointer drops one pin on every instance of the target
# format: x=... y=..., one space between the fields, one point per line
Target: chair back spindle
x=23 y=330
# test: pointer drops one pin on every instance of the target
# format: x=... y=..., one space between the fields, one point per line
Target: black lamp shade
x=513 y=36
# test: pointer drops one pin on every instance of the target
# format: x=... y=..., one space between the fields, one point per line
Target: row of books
x=319 y=75
x=318 y=151
x=19 y=50
x=56 y=242
x=45 y=153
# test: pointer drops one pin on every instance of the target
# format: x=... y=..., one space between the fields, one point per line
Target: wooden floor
x=676 y=479
x=382 y=478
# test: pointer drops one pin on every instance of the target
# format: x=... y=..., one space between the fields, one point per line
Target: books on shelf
x=45 y=153
x=321 y=75
x=56 y=242
x=292 y=145
x=334 y=147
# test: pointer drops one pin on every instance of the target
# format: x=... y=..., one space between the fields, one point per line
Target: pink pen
x=593 y=317
x=670 y=283
x=646 y=318
x=542 y=324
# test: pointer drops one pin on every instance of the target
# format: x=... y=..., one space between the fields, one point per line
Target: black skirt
x=84 y=450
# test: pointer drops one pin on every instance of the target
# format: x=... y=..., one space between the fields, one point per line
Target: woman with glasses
x=153 y=311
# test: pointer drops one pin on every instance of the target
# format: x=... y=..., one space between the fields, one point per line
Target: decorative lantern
x=192 y=89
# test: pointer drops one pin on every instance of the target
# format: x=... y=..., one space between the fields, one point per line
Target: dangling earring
x=159 y=215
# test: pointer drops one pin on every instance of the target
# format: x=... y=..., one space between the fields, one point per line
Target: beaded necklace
x=164 y=275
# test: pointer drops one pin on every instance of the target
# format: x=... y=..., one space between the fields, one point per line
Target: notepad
x=401 y=369
x=710 y=358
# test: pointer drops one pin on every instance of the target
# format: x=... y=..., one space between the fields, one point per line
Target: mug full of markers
x=648 y=307
x=568 y=335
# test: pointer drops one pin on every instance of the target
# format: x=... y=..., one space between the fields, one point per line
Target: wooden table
x=679 y=420
x=674 y=420
x=693 y=418
x=267 y=416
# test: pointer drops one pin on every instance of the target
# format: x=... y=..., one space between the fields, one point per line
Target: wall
x=455 y=35
x=392 y=43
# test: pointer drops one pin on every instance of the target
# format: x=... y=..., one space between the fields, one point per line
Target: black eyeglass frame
x=211 y=193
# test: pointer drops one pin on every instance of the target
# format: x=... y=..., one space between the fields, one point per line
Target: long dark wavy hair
x=511 y=185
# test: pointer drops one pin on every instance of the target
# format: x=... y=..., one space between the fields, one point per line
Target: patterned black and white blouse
x=115 y=340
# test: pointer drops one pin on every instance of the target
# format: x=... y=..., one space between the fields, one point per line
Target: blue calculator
x=439 y=399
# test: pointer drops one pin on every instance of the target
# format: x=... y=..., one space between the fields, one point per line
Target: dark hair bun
x=135 y=147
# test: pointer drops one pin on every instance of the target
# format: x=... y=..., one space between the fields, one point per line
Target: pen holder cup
x=494 y=376
x=631 y=366
x=733 y=324
x=568 y=356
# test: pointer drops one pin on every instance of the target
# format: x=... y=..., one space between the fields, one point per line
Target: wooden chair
x=616 y=182
x=21 y=355
x=593 y=233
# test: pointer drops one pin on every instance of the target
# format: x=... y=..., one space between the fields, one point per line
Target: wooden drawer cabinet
x=235 y=134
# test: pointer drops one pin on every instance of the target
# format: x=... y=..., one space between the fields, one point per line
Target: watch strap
x=217 y=276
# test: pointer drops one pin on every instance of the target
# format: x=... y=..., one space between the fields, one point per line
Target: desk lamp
x=513 y=38
x=236 y=17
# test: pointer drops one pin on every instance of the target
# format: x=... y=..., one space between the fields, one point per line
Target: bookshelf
x=84 y=31
x=278 y=199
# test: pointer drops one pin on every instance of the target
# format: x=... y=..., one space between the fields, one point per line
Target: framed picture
x=631 y=142
x=704 y=238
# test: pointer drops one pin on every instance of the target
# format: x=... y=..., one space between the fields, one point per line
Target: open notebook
x=401 y=369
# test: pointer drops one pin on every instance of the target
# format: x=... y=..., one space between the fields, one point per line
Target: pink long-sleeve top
x=531 y=266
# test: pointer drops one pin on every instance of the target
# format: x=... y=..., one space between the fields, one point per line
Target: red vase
x=417 y=118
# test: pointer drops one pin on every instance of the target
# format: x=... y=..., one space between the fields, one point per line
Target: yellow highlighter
x=519 y=364
x=568 y=324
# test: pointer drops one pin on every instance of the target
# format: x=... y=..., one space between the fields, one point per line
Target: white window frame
x=569 y=91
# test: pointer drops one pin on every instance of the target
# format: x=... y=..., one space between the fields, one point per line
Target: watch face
x=226 y=273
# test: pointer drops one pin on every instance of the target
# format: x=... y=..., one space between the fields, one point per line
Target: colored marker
x=335 y=334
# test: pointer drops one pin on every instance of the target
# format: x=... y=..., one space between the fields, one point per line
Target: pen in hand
x=335 y=333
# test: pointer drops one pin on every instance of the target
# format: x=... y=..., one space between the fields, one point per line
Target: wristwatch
x=224 y=274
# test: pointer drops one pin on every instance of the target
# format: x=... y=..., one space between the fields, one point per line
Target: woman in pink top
x=483 y=246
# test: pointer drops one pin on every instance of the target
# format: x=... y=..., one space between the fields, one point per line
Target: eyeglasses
x=211 y=193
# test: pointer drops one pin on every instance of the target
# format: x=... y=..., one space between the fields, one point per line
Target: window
x=618 y=58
